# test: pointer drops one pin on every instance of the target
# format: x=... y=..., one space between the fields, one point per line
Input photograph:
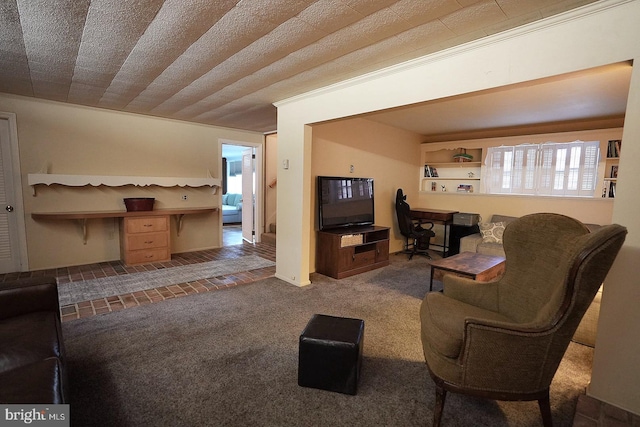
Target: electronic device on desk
x=344 y=202
x=466 y=219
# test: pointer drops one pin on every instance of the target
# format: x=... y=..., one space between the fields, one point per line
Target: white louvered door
x=9 y=249
x=248 y=228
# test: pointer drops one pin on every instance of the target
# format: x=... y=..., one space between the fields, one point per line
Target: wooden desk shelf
x=178 y=214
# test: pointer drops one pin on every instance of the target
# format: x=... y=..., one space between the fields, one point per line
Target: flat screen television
x=344 y=202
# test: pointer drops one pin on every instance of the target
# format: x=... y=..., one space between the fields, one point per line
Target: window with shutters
x=567 y=169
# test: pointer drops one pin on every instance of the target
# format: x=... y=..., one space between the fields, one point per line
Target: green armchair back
x=505 y=339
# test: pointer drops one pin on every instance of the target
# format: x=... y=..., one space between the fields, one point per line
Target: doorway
x=241 y=181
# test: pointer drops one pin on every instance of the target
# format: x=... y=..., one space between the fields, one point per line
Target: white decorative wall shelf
x=119 y=181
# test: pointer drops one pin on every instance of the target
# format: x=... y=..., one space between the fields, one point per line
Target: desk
x=84 y=216
x=437 y=216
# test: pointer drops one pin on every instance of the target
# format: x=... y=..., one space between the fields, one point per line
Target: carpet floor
x=229 y=358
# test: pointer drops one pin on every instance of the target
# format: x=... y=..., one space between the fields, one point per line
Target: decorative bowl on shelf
x=134 y=204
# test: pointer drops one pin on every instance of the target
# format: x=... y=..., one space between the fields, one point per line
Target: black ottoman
x=331 y=353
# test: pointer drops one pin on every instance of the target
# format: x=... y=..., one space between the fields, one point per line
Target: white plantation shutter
x=498 y=163
x=551 y=169
x=524 y=168
x=589 y=170
x=545 y=170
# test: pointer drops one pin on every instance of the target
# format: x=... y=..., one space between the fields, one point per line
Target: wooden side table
x=482 y=268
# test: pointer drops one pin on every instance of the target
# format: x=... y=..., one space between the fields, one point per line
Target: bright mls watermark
x=36 y=415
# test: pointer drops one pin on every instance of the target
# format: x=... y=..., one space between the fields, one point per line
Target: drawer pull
x=148 y=225
x=148 y=242
x=149 y=256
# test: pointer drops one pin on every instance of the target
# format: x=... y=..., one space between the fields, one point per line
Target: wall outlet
x=184 y=197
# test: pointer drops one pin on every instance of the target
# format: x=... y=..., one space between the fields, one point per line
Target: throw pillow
x=224 y=198
x=492 y=232
x=234 y=199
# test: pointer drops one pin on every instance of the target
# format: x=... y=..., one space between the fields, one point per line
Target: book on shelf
x=613 y=148
x=614 y=171
x=430 y=172
x=609 y=189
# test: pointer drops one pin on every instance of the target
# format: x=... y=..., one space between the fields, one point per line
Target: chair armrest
x=479 y=294
x=470 y=243
x=25 y=296
x=489 y=346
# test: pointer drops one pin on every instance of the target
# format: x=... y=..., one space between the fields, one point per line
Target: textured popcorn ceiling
x=225 y=62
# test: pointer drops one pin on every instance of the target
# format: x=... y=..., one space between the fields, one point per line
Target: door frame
x=17 y=184
x=248 y=195
x=258 y=212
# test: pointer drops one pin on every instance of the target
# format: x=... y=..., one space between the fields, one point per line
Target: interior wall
x=388 y=155
x=294 y=181
x=616 y=374
x=66 y=139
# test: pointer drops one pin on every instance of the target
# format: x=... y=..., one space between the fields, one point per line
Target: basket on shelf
x=135 y=204
x=462 y=156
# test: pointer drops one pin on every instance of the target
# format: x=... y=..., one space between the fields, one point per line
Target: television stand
x=347 y=251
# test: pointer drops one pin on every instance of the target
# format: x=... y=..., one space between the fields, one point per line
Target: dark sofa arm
x=28 y=296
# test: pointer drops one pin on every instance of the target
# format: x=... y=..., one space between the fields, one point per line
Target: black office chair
x=416 y=236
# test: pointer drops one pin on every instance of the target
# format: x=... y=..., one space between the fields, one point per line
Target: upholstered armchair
x=504 y=340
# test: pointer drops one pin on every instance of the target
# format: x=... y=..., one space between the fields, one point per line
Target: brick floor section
x=151 y=296
x=591 y=412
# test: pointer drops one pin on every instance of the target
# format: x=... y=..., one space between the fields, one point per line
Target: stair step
x=269 y=238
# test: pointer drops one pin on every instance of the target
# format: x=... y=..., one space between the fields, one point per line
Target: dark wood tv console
x=348 y=251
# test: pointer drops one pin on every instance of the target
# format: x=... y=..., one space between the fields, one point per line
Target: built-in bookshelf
x=614 y=147
x=451 y=171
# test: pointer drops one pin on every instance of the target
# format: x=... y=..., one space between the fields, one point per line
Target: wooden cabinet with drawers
x=145 y=239
x=345 y=252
